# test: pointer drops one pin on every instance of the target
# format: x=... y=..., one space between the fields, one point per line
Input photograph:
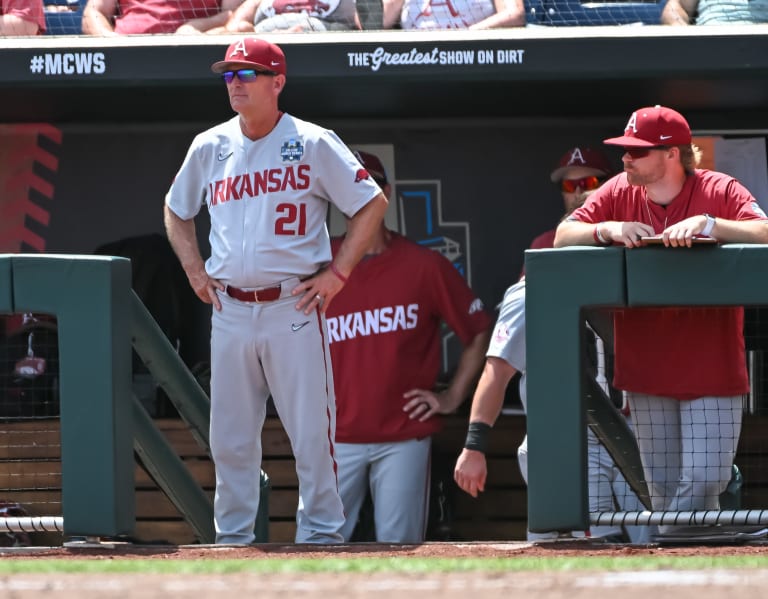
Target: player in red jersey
x=684 y=368
x=384 y=328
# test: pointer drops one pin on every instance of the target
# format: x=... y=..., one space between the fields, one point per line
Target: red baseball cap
x=653 y=126
x=586 y=157
x=373 y=165
x=252 y=52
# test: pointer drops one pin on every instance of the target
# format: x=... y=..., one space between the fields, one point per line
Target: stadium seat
x=576 y=12
x=64 y=17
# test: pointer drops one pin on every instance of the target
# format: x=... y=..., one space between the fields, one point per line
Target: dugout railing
x=102 y=424
x=91 y=299
x=561 y=285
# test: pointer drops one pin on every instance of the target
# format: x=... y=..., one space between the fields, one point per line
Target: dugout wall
x=90 y=298
x=560 y=283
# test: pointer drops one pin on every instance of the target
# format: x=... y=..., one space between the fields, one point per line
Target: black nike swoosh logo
x=295 y=327
x=223 y=157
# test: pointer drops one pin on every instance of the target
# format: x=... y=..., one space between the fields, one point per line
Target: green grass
x=371 y=565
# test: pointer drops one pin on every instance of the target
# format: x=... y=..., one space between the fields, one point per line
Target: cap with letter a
x=653 y=126
x=252 y=53
x=582 y=157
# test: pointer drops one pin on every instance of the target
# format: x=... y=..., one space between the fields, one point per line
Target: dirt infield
x=698 y=584
x=570 y=548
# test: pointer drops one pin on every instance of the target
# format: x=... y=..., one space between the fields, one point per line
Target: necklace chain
x=650 y=216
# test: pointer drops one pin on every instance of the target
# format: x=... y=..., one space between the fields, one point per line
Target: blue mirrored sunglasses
x=244 y=75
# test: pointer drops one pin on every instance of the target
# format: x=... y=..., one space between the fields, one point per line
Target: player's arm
x=15 y=25
x=424 y=404
x=99 y=16
x=679 y=12
x=509 y=13
x=724 y=230
x=182 y=236
x=329 y=281
x=574 y=232
x=471 y=468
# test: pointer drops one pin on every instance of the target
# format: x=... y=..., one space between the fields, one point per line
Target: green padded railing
x=98 y=315
x=562 y=282
x=90 y=298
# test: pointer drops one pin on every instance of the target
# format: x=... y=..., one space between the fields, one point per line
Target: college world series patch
x=292 y=150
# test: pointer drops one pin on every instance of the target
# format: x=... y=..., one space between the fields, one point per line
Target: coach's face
x=254 y=96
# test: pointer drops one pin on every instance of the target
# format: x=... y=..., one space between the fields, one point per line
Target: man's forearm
x=360 y=231
x=491 y=389
x=468 y=369
x=574 y=233
x=182 y=236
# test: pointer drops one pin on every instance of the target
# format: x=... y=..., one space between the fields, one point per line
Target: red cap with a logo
x=653 y=126
x=373 y=165
x=252 y=53
x=586 y=157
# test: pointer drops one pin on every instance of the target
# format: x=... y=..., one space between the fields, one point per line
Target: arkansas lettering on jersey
x=250 y=185
x=385 y=332
x=372 y=322
x=293 y=173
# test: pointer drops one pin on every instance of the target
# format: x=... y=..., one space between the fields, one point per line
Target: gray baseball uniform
x=268 y=201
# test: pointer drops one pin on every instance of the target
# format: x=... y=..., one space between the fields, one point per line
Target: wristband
x=598 y=236
x=338 y=274
x=477 y=436
x=707 y=230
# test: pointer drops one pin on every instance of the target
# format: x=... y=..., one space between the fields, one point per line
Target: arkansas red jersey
x=678 y=352
x=384 y=329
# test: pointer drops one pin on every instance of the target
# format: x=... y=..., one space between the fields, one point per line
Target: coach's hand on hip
x=205 y=287
x=318 y=291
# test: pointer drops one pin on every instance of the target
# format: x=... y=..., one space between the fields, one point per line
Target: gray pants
x=398 y=475
x=258 y=349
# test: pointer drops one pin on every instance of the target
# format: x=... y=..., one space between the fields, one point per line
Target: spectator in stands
x=21 y=18
x=714 y=12
x=683 y=368
x=119 y=17
x=385 y=372
x=263 y=16
x=453 y=14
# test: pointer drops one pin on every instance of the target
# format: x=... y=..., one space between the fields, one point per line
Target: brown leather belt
x=267 y=294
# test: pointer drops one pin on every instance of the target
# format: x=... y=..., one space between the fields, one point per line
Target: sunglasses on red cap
x=584 y=183
x=245 y=75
